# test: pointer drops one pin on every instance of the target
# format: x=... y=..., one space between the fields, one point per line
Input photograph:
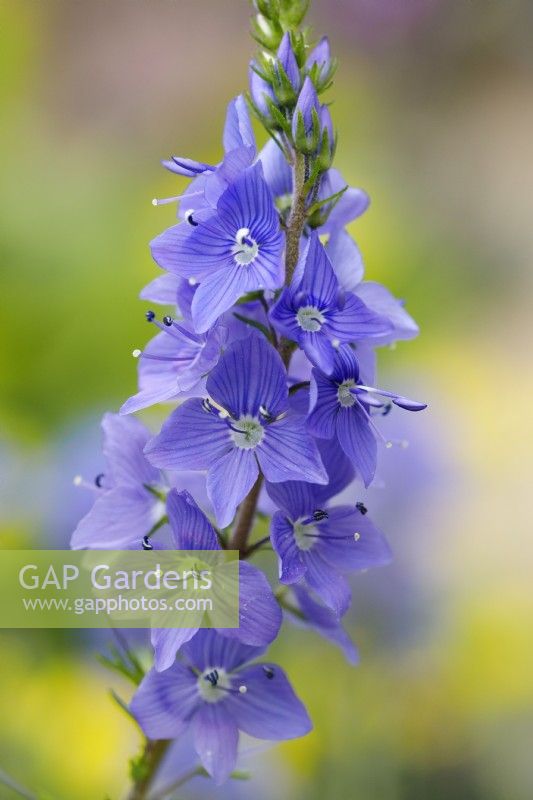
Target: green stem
x=151 y=758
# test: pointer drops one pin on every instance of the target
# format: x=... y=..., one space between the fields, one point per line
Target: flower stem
x=295 y=226
x=147 y=766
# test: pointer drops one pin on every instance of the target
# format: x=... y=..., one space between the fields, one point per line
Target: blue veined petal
x=191 y=438
x=250 y=375
x=380 y=300
x=346 y=365
x=283 y=315
x=287 y=452
x=318 y=278
x=355 y=321
x=193 y=252
x=350 y=541
x=163 y=290
x=291 y=565
x=358 y=441
x=216 y=736
x=124 y=442
x=287 y=59
x=259 y=611
x=296 y=498
x=209 y=649
x=187 y=167
x=324 y=406
x=190 y=527
x=238 y=130
x=166 y=643
x=318 y=349
x=118 y=520
x=352 y=204
x=346 y=259
x=218 y=293
x=276 y=170
x=339 y=468
x=269 y=709
x=324 y=621
x=165 y=701
x=327 y=582
x=248 y=203
x=229 y=480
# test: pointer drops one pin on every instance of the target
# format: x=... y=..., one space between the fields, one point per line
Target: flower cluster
x=269 y=360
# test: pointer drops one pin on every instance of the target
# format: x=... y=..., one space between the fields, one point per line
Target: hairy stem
x=153 y=754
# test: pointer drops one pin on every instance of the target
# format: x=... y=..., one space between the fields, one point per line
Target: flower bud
x=287 y=61
x=260 y=90
x=320 y=56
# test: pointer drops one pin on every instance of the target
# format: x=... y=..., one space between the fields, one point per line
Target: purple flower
x=306 y=119
x=316 y=314
x=217 y=695
x=347 y=264
x=342 y=406
x=260 y=91
x=235 y=251
x=128 y=500
x=321 y=56
x=351 y=205
x=303 y=610
x=316 y=542
x=175 y=362
x=259 y=612
x=245 y=425
x=287 y=61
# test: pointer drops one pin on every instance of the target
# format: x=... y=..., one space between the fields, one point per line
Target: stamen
x=150 y=316
x=189 y=218
x=361 y=508
x=98 y=480
x=269 y=672
x=136 y=353
x=79 y=480
x=146 y=543
x=164 y=201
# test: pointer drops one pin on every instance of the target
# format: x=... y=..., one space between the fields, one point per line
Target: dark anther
x=319 y=515
x=269 y=672
x=150 y=316
x=190 y=220
x=212 y=677
x=98 y=480
x=361 y=507
x=386 y=409
x=206 y=405
x=167 y=321
x=147 y=544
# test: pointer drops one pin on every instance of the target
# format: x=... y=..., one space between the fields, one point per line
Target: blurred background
x=434 y=105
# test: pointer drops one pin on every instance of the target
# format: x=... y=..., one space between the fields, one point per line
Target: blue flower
x=286 y=59
x=321 y=56
x=317 y=542
x=316 y=314
x=259 y=612
x=175 y=362
x=341 y=406
x=128 y=495
x=244 y=425
x=235 y=251
x=215 y=693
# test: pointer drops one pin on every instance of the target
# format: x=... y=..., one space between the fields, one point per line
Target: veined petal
x=346 y=259
x=250 y=375
x=324 y=621
x=287 y=453
x=350 y=541
x=318 y=278
x=380 y=300
x=124 y=442
x=238 y=130
x=118 y=520
x=291 y=565
x=166 y=643
x=296 y=498
x=209 y=650
x=163 y=290
x=191 y=438
x=356 y=321
x=190 y=252
x=259 y=611
x=276 y=170
x=327 y=582
x=318 y=349
x=269 y=709
x=215 y=740
x=229 y=480
x=218 y=292
x=165 y=701
x=190 y=527
x=324 y=406
x=358 y=441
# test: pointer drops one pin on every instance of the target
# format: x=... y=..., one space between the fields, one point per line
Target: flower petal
x=366 y=546
x=124 y=441
x=355 y=321
x=166 y=643
x=165 y=701
x=191 y=438
x=327 y=582
x=118 y=520
x=269 y=709
x=259 y=611
x=190 y=527
x=229 y=480
x=287 y=452
x=216 y=737
x=238 y=130
x=209 y=650
x=346 y=259
x=324 y=406
x=163 y=289
x=291 y=565
x=358 y=441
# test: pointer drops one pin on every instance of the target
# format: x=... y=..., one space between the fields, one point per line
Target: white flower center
x=245 y=249
x=248 y=432
x=301 y=535
x=213 y=684
x=310 y=318
x=344 y=395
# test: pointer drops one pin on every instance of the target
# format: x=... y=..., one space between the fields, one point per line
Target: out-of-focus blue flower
x=342 y=406
x=259 y=612
x=315 y=313
x=128 y=494
x=217 y=695
x=321 y=56
x=244 y=424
